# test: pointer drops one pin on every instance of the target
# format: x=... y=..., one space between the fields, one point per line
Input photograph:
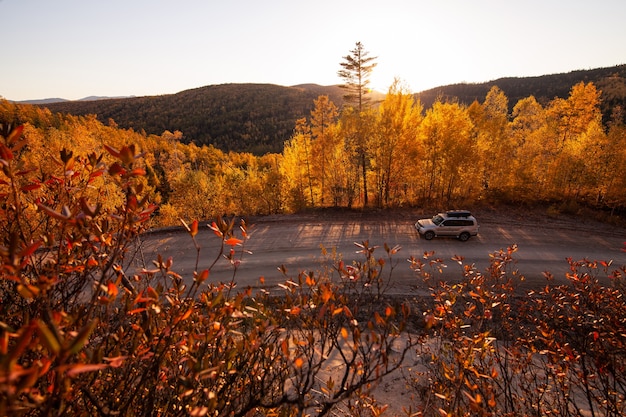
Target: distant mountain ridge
x=62 y=100
x=611 y=80
x=259 y=118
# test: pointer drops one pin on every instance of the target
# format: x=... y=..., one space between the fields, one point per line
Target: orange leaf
x=30 y=249
x=327 y=293
x=27 y=291
x=116 y=169
x=152 y=293
x=187 y=314
x=83 y=336
x=127 y=154
x=233 y=241
x=285 y=348
x=310 y=281
x=82 y=368
x=96 y=173
x=194 y=228
x=112 y=151
x=52 y=213
x=216 y=230
x=22 y=342
x=201 y=277
x=138 y=172
x=298 y=362
x=378 y=318
x=31 y=187
x=4 y=343
x=5 y=153
x=48 y=337
x=112 y=289
x=15 y=134
x=116 y=362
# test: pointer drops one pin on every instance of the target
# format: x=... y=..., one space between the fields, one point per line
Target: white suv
x=458 y=223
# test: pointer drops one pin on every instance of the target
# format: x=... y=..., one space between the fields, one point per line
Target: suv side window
x=457 y=223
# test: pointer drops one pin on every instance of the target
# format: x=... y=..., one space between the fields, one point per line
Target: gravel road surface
x=296 y=241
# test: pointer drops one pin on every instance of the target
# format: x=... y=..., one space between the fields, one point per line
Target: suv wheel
x=429 y=235
x=464 y=236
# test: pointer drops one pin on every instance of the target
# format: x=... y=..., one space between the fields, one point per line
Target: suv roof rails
x=458 y=213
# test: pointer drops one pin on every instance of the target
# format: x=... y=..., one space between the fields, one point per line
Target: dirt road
x=296 y=241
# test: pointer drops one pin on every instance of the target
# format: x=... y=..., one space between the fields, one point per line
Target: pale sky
x=77 y=48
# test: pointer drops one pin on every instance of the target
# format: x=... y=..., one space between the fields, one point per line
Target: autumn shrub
x=82 y=332
x=557 y=351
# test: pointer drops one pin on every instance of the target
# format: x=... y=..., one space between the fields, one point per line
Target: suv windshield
x=437 y=219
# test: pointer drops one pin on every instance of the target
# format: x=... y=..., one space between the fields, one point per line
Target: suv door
x=450 y=227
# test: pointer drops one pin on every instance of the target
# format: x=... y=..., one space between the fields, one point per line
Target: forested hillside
x=395 y=154
x=255 y=118
x=611 y=81
x=258 y=118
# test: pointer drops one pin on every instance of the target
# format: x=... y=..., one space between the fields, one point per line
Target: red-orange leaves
x=298 y=362
x=29 y=250
x=185 y=315
x=48 y=337
x=194 y=228
x=112 y=289
x=137 y=172
x=116 y=169
x=294 y=311
x=216 y=229
x=5 y=153
x=65 y=215
x=310 y=281
x=191 y=229
x=31 y=187
x=202 y=276
x=112 y=151
x=82 y=337
x=15 y=134
x=126 y=154
x=116 y=362
x=28 y=291
x=82 y=368
x=233 y=241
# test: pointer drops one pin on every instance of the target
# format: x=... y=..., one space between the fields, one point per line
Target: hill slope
x=255 y=118
x=258 y=118
x=611 y=81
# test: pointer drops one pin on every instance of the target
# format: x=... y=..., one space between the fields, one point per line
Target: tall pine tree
x=355 y=71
